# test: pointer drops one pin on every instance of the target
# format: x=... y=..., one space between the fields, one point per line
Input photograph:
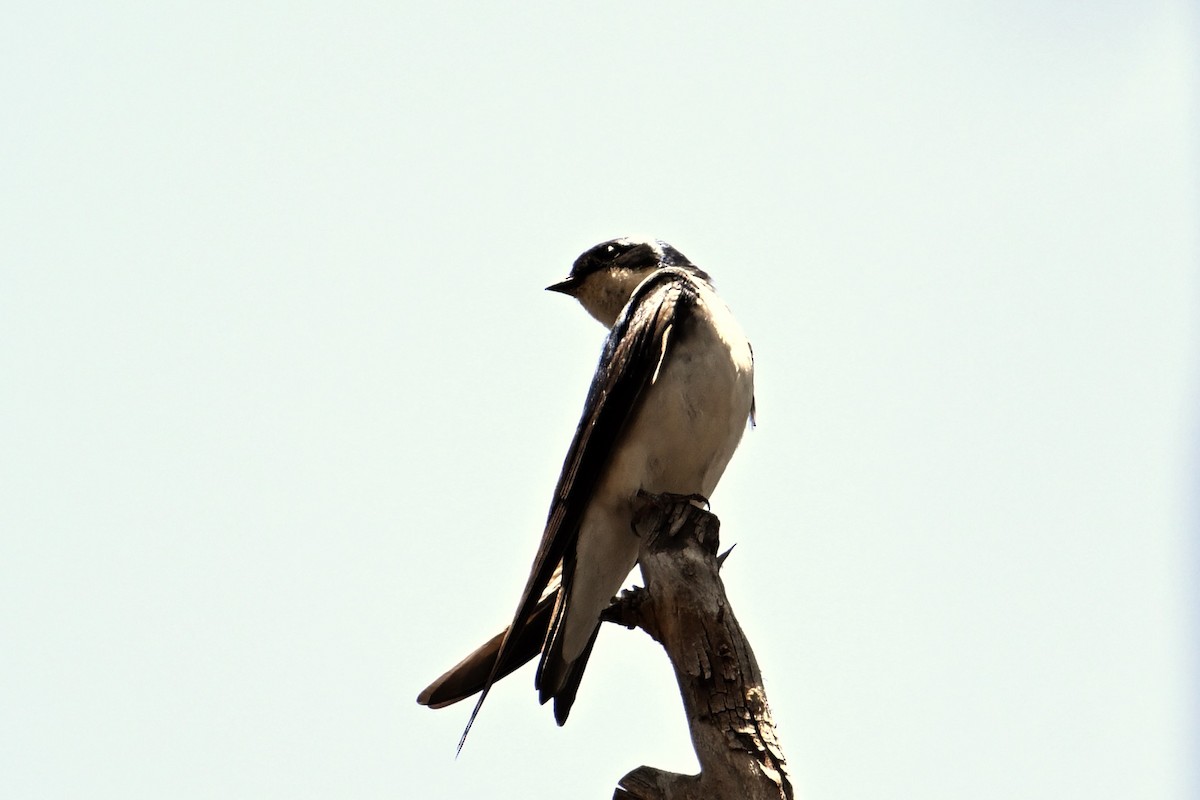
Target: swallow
x=665 y=412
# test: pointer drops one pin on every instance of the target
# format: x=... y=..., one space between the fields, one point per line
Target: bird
x=667 y=407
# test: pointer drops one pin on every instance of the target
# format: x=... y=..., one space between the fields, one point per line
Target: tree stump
x=683 y=607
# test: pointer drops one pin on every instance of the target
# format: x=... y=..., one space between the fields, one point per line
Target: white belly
x=684 y=434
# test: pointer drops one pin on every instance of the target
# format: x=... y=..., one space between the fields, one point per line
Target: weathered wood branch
x=683 y=607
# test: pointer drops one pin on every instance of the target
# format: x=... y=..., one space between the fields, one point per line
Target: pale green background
x=283 y=401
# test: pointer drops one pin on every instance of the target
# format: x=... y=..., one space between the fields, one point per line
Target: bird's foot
x=667 y=499
x=651 y=503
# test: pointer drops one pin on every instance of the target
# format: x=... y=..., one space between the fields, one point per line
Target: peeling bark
x=683 y=607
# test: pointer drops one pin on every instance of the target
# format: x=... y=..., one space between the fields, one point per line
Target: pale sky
x=284 y=400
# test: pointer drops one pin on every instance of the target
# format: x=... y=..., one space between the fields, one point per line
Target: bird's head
x=604 y=277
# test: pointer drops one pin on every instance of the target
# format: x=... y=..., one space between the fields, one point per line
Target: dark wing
x=633 y=352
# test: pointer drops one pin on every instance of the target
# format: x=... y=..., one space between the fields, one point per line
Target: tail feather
x=539 y=634
x=467 y=677
x=557 y=678
x=565 y=697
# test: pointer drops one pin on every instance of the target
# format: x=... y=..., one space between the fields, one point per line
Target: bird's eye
x=611 y=251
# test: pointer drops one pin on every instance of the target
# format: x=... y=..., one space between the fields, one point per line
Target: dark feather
x=635 y=347
x=468 y=676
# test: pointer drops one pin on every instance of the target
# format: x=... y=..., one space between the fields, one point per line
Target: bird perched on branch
x=665 y=412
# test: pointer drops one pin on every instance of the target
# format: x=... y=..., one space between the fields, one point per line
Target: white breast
x=684 y=434
x=693 y=416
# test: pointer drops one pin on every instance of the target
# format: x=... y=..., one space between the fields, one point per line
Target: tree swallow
x=666 y=409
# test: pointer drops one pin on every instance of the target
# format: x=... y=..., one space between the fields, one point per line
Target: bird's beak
x=566 y=287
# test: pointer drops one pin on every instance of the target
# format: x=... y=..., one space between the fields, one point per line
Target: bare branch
x=684 y=607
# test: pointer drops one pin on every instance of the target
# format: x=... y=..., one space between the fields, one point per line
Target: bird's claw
x=665 y=499
x=661 y=501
